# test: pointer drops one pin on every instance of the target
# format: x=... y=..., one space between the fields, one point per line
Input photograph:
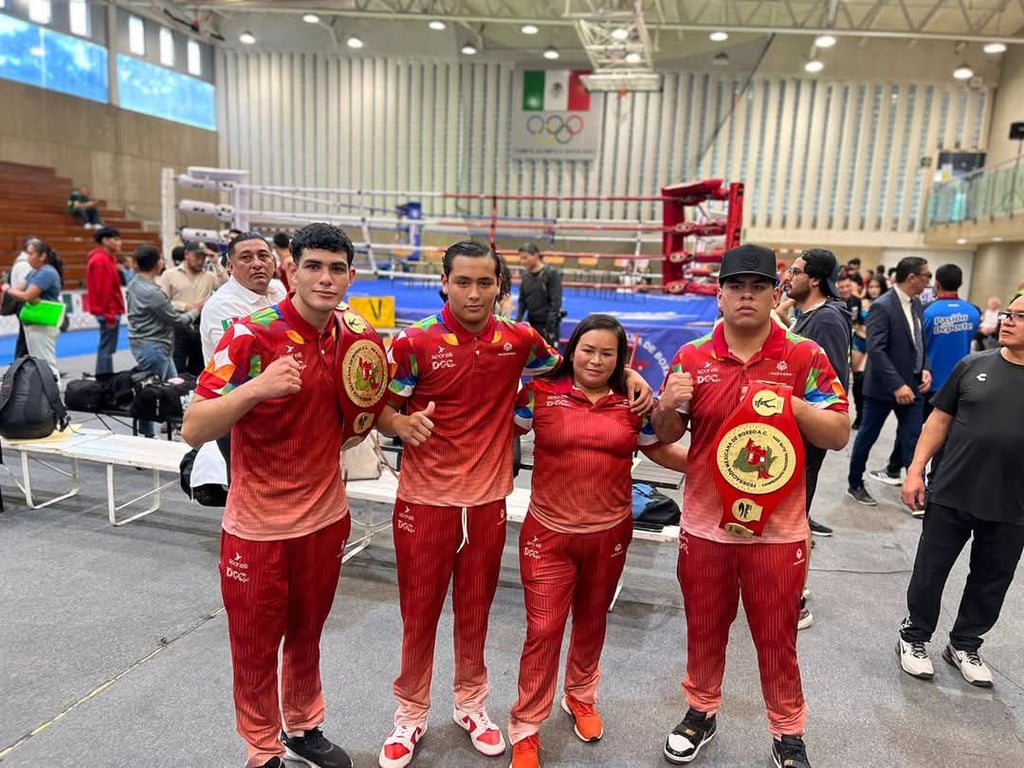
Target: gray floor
x=113 y=650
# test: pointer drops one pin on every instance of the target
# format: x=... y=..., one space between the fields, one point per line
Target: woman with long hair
x=573 y=542
x=859 y=349
x=43 y=283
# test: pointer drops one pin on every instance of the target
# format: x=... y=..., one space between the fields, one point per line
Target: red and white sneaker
x=485 y=735
x=399 y=746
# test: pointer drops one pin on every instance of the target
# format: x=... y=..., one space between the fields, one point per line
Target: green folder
x=43 y=313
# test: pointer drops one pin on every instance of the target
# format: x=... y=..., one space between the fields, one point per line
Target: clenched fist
x=677 y=392
x=282 y=377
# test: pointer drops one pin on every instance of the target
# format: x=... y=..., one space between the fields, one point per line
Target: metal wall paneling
x=891 y=204
x=813 y=134
x=879 y=173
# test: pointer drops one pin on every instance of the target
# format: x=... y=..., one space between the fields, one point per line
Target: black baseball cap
x=103 y=233
x=749 y=259
x=822 y=264
x=196 y=246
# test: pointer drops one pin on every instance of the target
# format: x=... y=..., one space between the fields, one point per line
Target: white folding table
x=44 y=451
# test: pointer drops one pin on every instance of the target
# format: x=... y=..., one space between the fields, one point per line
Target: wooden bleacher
x=33 y=201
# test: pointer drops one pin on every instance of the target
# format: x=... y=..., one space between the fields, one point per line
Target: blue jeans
x=107 y=348
x=155 y=359
x=910 y=418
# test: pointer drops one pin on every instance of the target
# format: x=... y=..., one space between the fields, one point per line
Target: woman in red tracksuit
x=572 y=545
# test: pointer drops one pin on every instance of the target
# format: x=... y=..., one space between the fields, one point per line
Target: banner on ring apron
x=759 y=455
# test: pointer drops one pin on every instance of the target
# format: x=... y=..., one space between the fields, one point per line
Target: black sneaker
x=818 y=529
x=790 y=752
x=315 y=750
x=274 y=762
x=686 y=739
x=861 y=496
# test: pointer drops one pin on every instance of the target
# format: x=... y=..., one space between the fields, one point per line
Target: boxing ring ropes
x=700 y=220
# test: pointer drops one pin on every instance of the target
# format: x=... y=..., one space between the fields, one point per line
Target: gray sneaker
x=914 y=659
x=883 y=476
x=974 y=670
x=861 y=496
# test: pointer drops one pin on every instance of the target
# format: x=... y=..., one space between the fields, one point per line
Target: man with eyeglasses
x=979 y=493
x=897 y=373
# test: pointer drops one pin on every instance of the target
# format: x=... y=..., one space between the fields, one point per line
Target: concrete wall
x=1008 y=107
x=998 y=270
x=118 y=153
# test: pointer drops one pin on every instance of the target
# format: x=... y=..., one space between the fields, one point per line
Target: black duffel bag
x=86 y=395
x=162 y=401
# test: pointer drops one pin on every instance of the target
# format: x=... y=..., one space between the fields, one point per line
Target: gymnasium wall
x=824 y=161
x=116 y=152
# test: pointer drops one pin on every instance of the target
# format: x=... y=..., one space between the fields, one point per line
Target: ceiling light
x=997 y=239
x=994 y=47
x=469 y=49
x=529 y=29
x=551 y=53
x=721 y=59
x=248 y=38
x=437 y=25
x=311 y=18
x=814 y=65
x=824 y=41
x=620 y=33
x=633 y=58
x=719 y=37
x=961 y=241
x=963 y=72
x=354 y=41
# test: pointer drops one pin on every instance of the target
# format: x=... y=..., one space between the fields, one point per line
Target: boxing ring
x=648 y=260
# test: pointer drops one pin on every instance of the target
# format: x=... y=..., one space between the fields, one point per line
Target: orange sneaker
x=588 y=723
x=526 y=753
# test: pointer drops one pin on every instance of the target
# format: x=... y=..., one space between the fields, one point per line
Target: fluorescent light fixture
x=469 y=49
x=551 y=53
x=37 y=50
x=633 y=58
x=311 y=18
x=437 y=25
x=529 y=29
x=721 y=59
x=961 y=241
x=354 y=41
x=963 y=72
x=719 y=37
x=247 y=38
x=814 y=65
x=620 y=33
x=997 y=239
x=824 y=41
x=622 y=81
x=994 y=47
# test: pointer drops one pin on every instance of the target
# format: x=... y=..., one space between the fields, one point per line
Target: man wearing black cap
x=811 y=283
x=103 y=294
x=708 y=380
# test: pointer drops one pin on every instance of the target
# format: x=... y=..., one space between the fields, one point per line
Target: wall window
x=153 y=90
x=78 y=18
x=39 y=11
x=136 y=36
x=166 y=47
x=41 y=57
x=195 y=58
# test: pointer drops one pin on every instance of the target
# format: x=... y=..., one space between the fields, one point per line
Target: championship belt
x=759 y=457
x=362 y=375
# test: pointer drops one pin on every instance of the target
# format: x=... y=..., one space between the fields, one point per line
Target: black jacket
x=830 y=326
x=891 y=351
x=540 y=301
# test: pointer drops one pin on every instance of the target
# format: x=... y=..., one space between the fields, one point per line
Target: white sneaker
x=974 y=670
x=485 y=735
x=398 y=748
x=883 y=476
x=914 y=659
x=806 y=618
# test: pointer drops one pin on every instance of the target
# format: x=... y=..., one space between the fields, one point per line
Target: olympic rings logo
x=554 y=128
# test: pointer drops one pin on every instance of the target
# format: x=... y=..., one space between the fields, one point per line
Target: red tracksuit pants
x=770 y=579
x=274 y=591
x=433 y=545
x=563 y=572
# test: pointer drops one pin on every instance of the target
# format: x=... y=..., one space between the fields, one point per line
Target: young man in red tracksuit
x=104 y=296
x=707 y=380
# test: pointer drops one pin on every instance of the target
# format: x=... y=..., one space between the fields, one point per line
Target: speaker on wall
x=1017 y=131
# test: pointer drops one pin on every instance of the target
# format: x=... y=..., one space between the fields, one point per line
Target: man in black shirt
x=980 y=492
x=540 y=294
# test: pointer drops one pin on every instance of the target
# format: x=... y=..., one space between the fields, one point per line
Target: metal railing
x=982 y=194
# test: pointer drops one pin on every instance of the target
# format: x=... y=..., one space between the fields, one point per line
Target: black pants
x=894 y=465
x=995 y=552
x=188 y=351
x=814 y=456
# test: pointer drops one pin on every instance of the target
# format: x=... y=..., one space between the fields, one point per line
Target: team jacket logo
x=708 y=374
x=236 y=569
x=442 y=358
x=532 y=548
x=557 y=401
x=507 y=349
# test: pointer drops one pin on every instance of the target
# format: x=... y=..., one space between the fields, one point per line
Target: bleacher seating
x=33 y=201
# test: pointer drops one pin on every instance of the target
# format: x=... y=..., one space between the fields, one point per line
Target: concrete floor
x=113 y=649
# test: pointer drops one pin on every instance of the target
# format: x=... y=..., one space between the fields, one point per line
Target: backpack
x=120 y=388
x=24 y=415
x=159 y=401
x=652 y=510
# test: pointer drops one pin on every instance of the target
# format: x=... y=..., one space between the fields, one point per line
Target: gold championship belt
x=759 y=456
x=362 y=375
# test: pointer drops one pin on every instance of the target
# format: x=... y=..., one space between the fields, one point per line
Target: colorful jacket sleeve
x=525 y=401
x=236 y=361
x=404 y=368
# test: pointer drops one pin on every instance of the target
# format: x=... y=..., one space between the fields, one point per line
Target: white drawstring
x=465 y=529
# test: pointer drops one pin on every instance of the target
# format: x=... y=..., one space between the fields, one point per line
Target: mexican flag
x=554 y=90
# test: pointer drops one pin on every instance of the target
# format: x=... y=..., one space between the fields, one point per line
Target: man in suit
x=897 y=374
